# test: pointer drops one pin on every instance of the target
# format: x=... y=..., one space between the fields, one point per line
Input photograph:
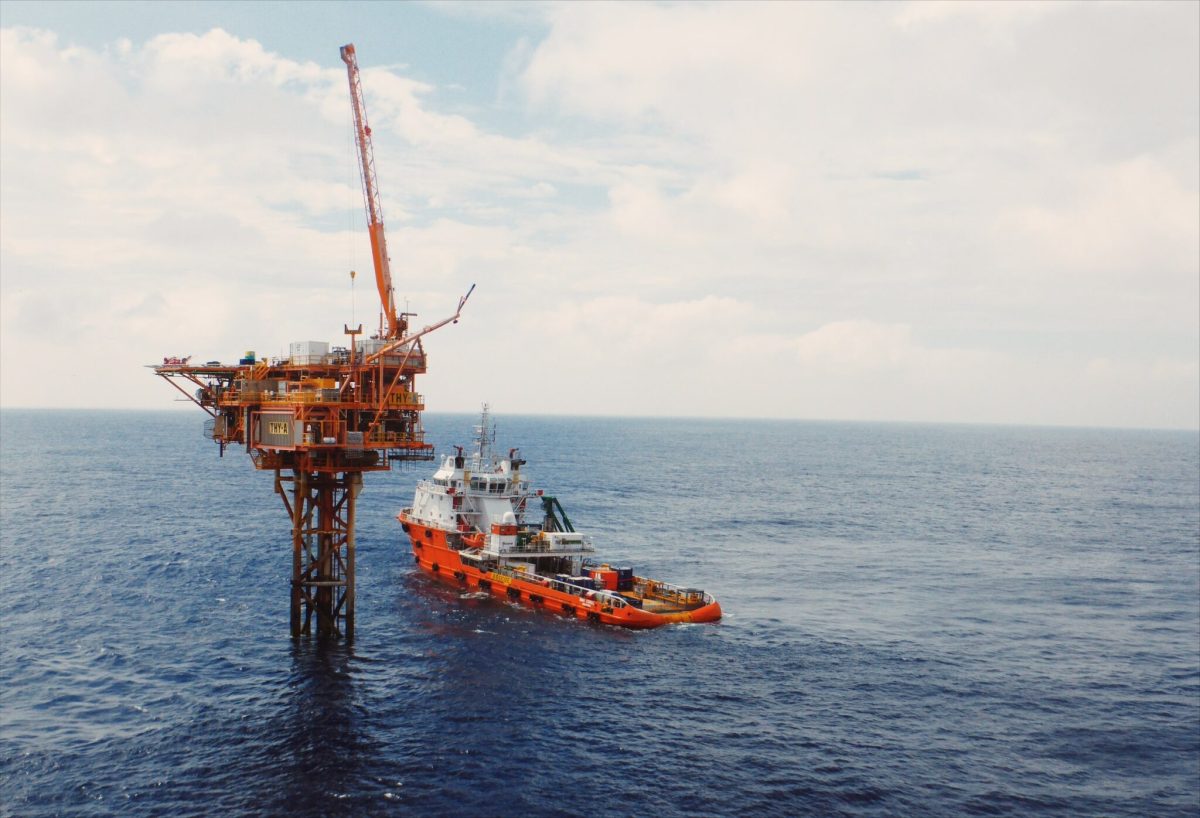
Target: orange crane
x=366 y=155
x=321 y=417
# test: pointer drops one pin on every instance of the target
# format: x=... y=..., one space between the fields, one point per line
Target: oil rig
x=321 y=417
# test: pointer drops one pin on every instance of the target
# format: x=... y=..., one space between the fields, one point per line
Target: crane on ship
x=321 y=417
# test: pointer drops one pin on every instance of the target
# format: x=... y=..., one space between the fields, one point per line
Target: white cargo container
x=369 y=346
x=302 y=353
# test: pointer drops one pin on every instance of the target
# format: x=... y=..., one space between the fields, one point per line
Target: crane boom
x=366 y=155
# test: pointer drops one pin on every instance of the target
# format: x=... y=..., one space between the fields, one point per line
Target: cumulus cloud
x=919 y=211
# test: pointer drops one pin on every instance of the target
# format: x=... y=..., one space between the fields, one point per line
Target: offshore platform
x=321 y=417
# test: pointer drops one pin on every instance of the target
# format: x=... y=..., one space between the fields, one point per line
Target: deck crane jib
x=395 y=323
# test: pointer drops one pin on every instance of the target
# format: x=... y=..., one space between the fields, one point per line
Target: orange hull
x=434 y=556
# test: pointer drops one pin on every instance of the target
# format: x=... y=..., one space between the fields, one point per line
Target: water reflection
x=323 y=748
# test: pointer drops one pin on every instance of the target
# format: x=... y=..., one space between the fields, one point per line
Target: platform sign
x=278 y=429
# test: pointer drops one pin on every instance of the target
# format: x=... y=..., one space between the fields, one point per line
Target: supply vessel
x=478 y=525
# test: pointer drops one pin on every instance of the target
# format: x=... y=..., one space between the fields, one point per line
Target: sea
x=920 y=620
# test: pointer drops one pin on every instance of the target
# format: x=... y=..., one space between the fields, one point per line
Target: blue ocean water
x=920 y=620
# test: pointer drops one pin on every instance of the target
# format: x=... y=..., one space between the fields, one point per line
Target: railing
x=380 y=436
x=602 y=597
x=399 y=400
x=533 y=547
x=654 y=589
x=306 y=396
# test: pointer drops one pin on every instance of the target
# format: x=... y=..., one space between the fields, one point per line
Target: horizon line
x=752 y=418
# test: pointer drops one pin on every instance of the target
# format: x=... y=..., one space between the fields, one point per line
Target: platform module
x=322 y=416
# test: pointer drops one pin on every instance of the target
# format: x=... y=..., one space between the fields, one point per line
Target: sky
x=930 y=212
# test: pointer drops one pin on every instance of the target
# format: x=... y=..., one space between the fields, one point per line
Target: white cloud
x=857 y=345
x=1133 y=218
x=995 y=12
x=919 y=212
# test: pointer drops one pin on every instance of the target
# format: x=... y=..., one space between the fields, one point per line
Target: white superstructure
x=485 y=499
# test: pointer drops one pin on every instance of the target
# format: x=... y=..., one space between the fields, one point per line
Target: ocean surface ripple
x=922 y=620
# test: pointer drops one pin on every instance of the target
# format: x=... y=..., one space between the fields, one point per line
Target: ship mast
x=485 y=436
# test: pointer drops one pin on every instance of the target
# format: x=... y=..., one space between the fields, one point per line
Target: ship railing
x=667 y=592
x=533 y=547
x=601 y=596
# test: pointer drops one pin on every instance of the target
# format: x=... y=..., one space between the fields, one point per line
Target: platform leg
x=323 y=509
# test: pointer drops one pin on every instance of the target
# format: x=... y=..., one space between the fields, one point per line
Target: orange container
x=606 y=578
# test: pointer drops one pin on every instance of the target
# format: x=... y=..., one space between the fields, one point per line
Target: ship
x=477 y=525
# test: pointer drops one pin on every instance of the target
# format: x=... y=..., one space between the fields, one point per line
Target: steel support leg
x=322 y=509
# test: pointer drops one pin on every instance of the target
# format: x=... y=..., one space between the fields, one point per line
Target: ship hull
x=434 y=556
